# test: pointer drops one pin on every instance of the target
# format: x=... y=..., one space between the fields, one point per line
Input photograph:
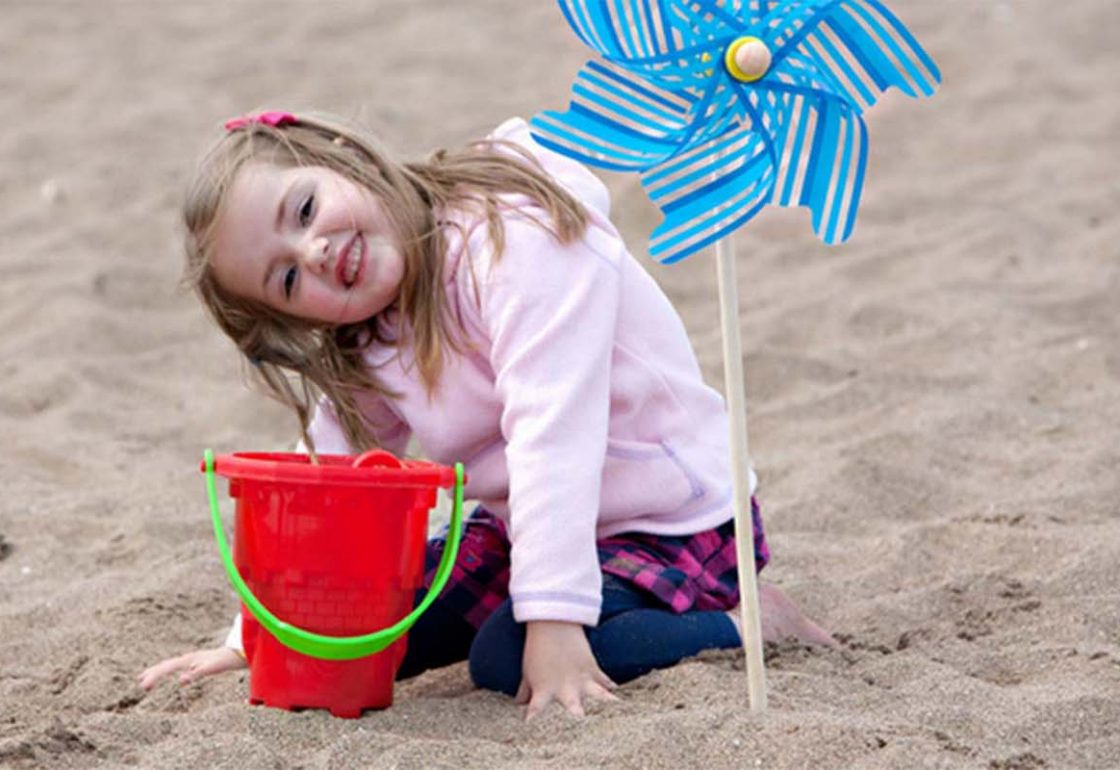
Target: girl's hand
x=558 y=665
x=193 y=665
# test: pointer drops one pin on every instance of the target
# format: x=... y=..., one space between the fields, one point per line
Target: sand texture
x=934 y=406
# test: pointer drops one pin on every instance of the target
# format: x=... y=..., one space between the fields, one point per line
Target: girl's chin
x=359 y=309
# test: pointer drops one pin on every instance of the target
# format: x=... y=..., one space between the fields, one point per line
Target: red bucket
x=327 y=561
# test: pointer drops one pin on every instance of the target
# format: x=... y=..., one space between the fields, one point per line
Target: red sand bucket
x=327 y=561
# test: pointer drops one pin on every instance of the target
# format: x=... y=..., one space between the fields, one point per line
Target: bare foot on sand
x=782 y=619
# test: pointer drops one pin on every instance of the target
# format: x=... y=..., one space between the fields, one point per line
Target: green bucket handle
x=336 y=647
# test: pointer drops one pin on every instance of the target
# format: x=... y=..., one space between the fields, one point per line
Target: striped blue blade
x=861 y=49
x=821 y=145
x=698 y=216
x=716 y=184
x=624 y=30
x=616 y=120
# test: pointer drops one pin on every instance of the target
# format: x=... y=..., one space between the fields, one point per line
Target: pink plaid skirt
x=681 y=573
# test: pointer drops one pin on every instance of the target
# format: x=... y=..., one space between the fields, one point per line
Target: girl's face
x=307 y=241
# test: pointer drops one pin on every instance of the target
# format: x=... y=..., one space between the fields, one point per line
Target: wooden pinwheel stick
x=740 y=481
x=747 y=59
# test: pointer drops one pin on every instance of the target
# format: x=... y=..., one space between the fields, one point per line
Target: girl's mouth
x=351 y=261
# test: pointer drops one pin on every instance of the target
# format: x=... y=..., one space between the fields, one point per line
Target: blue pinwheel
x=725 y=106
x=714 y=141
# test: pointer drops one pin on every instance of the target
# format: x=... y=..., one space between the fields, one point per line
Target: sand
x=934 y=407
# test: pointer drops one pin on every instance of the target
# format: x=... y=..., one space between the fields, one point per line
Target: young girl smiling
x=483 y=304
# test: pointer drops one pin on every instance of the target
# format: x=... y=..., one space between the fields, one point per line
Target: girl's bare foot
x=782 y=619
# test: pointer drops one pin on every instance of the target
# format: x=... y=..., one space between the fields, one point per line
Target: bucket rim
x=334 y=469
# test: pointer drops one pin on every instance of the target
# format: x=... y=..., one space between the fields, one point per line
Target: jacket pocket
x=646 y=479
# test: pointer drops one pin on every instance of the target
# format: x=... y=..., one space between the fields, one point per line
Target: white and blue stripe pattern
x=711 y=150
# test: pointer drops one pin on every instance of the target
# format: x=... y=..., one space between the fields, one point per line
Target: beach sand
x=934 y=406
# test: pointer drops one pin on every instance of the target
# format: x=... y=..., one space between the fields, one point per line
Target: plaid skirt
x=679 y=573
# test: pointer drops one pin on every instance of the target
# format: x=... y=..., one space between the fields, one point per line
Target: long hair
x=295 y=359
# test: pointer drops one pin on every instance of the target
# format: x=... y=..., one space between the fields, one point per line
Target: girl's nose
x=316 y=253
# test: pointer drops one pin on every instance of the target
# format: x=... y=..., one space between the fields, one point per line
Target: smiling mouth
x=351 y=261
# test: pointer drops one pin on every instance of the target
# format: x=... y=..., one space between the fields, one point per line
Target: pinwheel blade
x=708 y=192
x=857 y=49
x=630 y=30
x=616 y=120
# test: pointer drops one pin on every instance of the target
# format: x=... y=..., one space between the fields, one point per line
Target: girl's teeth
x=352 y=260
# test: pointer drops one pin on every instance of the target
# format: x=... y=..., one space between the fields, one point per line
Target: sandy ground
x=935 y=407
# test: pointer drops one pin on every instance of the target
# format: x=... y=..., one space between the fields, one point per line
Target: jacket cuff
x=233 y=638
x=564 y=607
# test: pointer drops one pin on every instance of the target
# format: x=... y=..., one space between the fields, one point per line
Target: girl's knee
x=490 y=674
x=495 y=655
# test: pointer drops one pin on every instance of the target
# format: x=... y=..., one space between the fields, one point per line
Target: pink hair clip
x=274 y=119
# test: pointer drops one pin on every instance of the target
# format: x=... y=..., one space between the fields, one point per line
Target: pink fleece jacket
x=579 y=410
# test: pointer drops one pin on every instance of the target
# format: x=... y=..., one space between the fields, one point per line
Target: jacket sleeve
x=549 y=311
x=233 y=638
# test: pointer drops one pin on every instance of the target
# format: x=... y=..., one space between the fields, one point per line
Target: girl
x=483 y=303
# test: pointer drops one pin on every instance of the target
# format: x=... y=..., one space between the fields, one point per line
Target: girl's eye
x=306 y=210
x=289 y=281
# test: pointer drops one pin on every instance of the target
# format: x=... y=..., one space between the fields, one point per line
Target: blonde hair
x=327 y=359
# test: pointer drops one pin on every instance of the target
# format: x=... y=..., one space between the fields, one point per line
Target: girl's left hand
x=192 y=666
x=558 y=665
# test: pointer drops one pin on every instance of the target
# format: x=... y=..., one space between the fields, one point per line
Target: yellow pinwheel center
x=747 y=59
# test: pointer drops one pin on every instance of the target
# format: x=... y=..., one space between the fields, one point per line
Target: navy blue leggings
x=635 y=635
